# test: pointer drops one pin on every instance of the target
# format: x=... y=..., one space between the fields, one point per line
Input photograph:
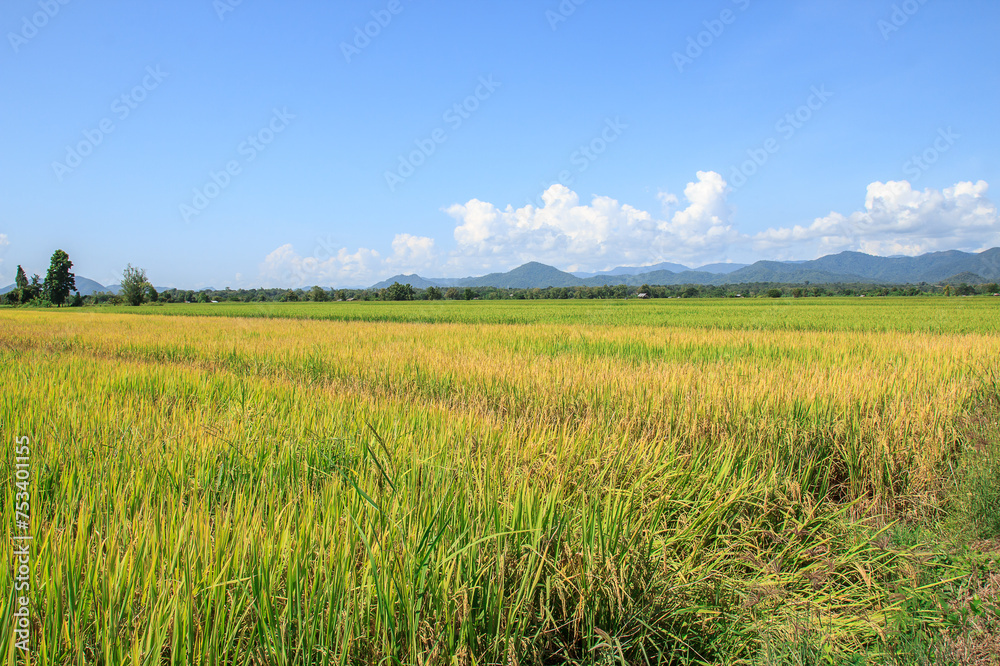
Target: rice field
x=931 y=314
x=489 y=482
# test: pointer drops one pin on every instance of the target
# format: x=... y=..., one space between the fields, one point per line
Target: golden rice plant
x=234 y=490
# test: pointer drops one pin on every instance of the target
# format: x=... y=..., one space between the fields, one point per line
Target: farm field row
x=710 y=482
x=933 y=314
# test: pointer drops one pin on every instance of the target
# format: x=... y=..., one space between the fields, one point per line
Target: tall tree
x=398 y=292
x=318 y=294
x=134 y=285
x=33 y=290
x=19 y=294
x=59 y=281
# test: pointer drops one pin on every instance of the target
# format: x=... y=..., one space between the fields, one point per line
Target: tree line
x=136 y=289
x=59 y=283
x=406 y=292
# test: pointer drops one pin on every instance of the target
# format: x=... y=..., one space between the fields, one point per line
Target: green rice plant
x=242 y=490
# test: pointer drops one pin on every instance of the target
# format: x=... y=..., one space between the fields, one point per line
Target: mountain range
x=845 y=267
x=936 y=267
x=665 y=266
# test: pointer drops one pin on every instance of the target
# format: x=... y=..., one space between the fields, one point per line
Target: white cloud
x=286 y=267
x=896 y=219
x=703 y=228
x=569 y=234
x=412 y=253
x=562 y=232
x=602 y=234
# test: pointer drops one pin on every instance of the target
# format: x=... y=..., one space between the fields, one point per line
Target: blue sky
x=586 y=135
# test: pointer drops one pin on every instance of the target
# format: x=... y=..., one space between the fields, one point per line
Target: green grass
x=928 y=314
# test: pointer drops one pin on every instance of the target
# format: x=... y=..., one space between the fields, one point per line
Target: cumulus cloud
x=412 y=253
x=703 y=228
x=340 y=267
x=694 y=229
x=604 y=232
x=287 y=268
x=896 y=219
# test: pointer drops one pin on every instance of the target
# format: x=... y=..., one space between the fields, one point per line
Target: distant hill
x=846 y=267
x=932 y=267
x=665 y=266
x=528 y=276
x=414 y=281
x=966 y=278
x=636 y=270
x=86 y=287
x=776 y=271
x=720 y=269
x=656 y=277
